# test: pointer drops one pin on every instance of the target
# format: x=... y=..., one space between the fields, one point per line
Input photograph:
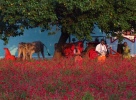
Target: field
x=65 y=80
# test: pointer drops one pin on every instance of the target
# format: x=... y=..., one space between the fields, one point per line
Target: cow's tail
x=47 y=50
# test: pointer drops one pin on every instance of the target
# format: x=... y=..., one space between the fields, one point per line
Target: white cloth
x=101 y=49
x=78 y=51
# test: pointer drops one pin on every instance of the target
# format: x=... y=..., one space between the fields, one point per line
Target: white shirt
x=101 y=48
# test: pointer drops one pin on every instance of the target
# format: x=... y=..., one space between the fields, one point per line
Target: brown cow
x=35 y=47
x=26 y=50
x=22 y=50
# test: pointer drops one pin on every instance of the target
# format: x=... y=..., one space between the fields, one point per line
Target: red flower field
x=65 y=80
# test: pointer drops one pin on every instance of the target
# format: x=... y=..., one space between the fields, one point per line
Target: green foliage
x=76 y=16
x=119 y=36
x=129 y=94
x=88 y=96
x=114 y=97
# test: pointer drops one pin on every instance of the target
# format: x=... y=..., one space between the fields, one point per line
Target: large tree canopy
x=75 y=17
x=17 y=15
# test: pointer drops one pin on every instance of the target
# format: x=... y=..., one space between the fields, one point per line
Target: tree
x=75 y=17
x=17 y=15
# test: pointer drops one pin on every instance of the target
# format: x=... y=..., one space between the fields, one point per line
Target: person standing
x=77 y=54
x=126 y=51
x=101 y=49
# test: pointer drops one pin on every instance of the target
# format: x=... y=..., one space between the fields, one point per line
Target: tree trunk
x=62 y=40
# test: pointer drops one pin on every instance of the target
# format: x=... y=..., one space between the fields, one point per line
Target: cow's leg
x=19 y=53
x=31 y=53
x=27 y=56
x=24 y=54
x=43 y=54
x=31 y=56
x=38 y=55
x=42 y=50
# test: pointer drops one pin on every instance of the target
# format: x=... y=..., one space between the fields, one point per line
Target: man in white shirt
x=101 y=48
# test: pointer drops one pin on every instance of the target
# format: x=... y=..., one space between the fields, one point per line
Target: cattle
x=22 y=50
x=35 y=47
x=28 y=49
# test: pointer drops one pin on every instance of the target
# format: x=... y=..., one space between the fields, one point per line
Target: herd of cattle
x=26 y=50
